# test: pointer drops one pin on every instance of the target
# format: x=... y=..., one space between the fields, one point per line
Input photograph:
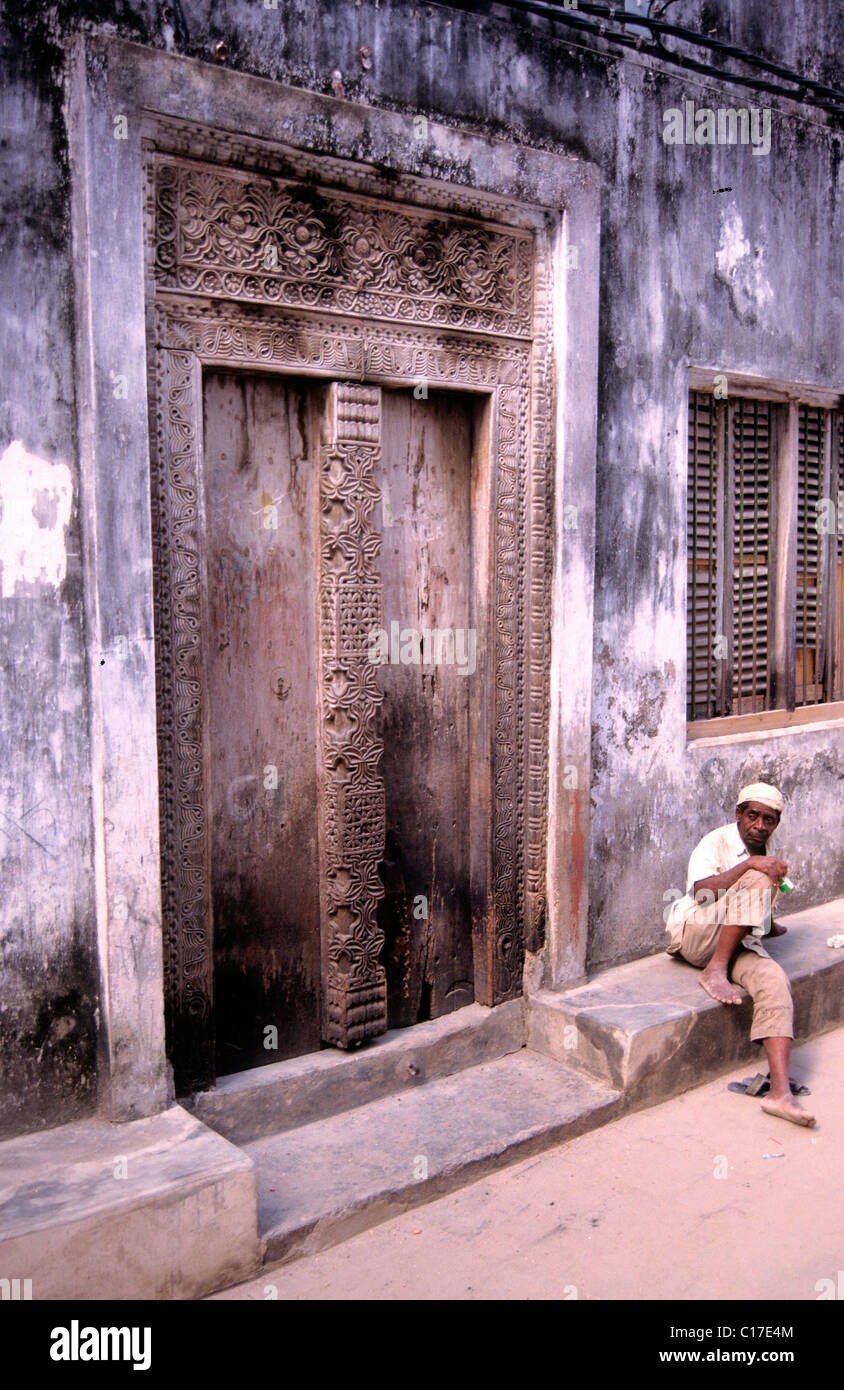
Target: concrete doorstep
x=324 y=1182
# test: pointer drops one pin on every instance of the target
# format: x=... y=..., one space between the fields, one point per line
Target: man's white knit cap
x=763 y=793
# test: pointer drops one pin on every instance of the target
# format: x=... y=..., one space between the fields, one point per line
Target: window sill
x=770 y=722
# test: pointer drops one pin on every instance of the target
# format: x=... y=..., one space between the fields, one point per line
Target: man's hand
x=776 y=869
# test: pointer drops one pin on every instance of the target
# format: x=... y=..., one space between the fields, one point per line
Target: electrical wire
x=809 y=91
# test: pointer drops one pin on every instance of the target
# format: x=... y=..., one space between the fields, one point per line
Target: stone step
x=321 y=1183
x=284 y=1095
x=159 y=1208
x=647 y=1029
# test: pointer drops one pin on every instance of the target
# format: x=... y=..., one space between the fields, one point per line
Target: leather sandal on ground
x=760 y=1085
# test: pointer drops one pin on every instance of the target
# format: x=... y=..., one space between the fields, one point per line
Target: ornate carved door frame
x=446 y=286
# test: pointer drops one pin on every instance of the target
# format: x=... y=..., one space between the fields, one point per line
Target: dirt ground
x=683 y=1201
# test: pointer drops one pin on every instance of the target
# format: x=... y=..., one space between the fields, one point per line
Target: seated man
x=717 y=926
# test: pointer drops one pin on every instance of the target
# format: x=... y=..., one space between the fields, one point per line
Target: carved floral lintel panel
x=251 y=237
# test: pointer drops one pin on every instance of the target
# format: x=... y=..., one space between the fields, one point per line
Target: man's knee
x=753 y=878
x=749 y=900
x=764 y=977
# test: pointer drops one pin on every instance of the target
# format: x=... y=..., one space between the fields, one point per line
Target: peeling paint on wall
x=35 y=501
x=741 y=267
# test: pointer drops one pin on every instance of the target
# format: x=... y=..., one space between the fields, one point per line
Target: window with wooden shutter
x=765 y=599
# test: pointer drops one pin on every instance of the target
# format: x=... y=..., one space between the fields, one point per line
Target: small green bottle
x=786 y=885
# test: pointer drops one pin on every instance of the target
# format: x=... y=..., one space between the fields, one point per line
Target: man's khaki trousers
x=747 y=903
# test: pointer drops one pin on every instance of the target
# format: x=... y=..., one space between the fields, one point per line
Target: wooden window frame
x=783 y=711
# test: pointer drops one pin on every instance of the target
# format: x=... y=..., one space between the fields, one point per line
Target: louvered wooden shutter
x=809 y=656
x=751 y=546
x=702 y=618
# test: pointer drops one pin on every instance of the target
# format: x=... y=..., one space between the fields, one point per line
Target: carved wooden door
x=350 y=436
x=344 y=641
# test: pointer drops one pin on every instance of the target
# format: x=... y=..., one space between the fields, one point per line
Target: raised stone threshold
x=286 y=1095
x=329 y=1145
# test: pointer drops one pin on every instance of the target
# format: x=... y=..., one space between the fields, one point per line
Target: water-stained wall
x=48 y=984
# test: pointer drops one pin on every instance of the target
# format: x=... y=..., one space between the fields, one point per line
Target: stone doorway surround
x=390 y=293
x=187 y=110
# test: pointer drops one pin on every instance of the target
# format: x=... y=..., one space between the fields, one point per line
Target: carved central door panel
x=350 y=422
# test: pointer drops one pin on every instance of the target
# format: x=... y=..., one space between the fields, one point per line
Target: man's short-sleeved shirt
x=717 y=852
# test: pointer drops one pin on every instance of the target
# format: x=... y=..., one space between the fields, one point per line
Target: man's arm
x=776 y=869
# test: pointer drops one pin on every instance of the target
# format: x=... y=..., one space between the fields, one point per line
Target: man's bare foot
x=777 y=929
x=715 y=982
x=787 y=1108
